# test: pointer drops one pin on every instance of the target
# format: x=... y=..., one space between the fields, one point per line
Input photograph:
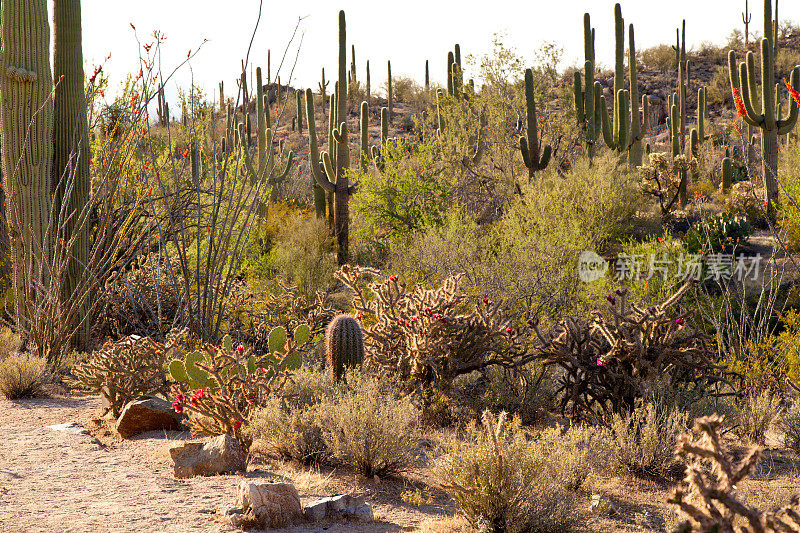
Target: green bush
x=289 y=432
x=661 y=57
x=501 y=484
x=22 y=376
x=717 y=234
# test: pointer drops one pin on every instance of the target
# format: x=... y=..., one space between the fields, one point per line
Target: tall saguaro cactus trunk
x=71 y=139
x=332 y=174
x=26 y=85
x=770 y=121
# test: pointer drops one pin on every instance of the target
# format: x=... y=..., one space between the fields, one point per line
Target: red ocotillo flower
x=737 y=97
x=792 y=91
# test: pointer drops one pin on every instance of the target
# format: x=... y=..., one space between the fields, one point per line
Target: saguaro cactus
x=746 y=18
x=163 y=107
x=389 y=96
x=615 y=133
x=427 y=78
x=531 y=145
x=71 y=139
x=267 y=165
x=299 y=103
x=26 y=83
x=333 y=176
x=587 y=94
x=743 y=83
x=344 y=345
x=364 y=123
x=369 y=92
x=353 y=77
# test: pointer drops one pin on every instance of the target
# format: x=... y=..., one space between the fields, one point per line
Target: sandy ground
x=69 y=482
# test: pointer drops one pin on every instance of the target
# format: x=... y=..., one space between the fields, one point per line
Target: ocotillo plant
x=531 y=146
x=71 y=178
x=389 y=88
x=586 y=103
x=299 y=102
x=743 y=84
x=266 y=167
x=333 y=175
x=27 y=148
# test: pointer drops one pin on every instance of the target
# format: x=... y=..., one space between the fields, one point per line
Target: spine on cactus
x=389 y=88
x=531 y=146
x=26 y=84
x=71 y=142
x=332 y=177
x=299 y=102
x=344 y=345
x=772 y=124
x=727 y=174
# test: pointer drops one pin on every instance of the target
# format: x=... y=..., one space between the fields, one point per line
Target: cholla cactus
x=708 y=495
x=610 y=361
x=129 y=368
x=218 y=386
x=424 y=335
x=663 y=177
x=344 y=345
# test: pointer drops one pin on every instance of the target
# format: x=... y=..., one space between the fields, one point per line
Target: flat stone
x=70 y=427
x=342 y=506
x=218 y=455
x=147 y=413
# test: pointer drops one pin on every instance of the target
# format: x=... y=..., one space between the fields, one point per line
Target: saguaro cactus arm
x=323 y=178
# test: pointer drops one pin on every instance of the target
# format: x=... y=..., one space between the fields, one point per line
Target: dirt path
x=68 y=482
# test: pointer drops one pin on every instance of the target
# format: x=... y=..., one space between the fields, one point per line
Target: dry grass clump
x=754 y=416
x=22 y=376
x=292 y=433
x=643 y=441
x=790 y=426
x=501 y=481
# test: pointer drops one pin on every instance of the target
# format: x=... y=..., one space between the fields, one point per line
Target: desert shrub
x=609 y=362
x=429 y=336
x=785 y=61
x=131 y=367
x=661 y=57
x=304 y=253
x=745 y=200
x=644 y=440
x=708 y=497
x=10 y=343
x=370 y=426
x=790 y=426
x=754 y=415
x=409 y=194
x=500 y=483
x=405 y=89
x=570 y=455
x=788 y=214
x=719 y=87
x=717 y=234
x=289 y=432
x=22 y=376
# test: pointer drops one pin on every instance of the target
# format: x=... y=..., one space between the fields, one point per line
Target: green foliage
x=660 y=57
x=717 y=234
x=410 y=194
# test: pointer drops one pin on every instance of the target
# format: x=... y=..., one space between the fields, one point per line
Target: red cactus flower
x=393 y=278
x=198 y=393
x=509 y=331
x=179 y=397
x=358 y=316
x=737 y=98
x=177 y=407
x=679 y=321
x=61 y=241
x=240 y=349
x=400 y=321
x=486 y=301
x=237 y=424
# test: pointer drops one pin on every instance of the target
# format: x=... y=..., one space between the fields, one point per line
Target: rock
x=272 y=504
x=343 y=506
x=147 y=413
x=219 y=455
x=601 y=505
x=70 y=427
x=237 y=520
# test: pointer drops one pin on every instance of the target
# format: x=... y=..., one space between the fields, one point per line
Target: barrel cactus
x=344 y=345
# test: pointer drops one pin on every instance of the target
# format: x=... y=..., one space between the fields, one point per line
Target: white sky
x=406 y=32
